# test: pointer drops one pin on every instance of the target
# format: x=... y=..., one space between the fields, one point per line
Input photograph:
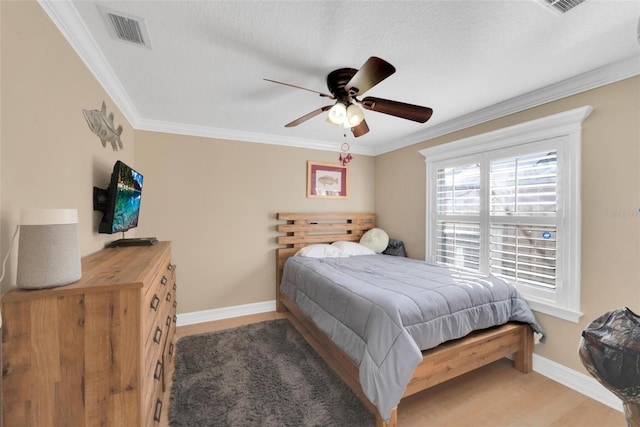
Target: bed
x=388 y=365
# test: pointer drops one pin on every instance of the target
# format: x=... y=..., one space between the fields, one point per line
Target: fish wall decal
x=103 y=126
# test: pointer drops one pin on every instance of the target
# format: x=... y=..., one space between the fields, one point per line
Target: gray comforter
x=383 y=310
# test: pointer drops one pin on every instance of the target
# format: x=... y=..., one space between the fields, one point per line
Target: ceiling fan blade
x=306 y=117
x=361 y=129
x=325 y=95
x=370 y=74
x=398 y=109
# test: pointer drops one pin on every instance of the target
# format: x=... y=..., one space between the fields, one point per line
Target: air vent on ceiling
x=126 y=28
x=562 y=6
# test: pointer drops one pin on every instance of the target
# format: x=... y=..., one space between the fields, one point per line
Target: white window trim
x=565 y=301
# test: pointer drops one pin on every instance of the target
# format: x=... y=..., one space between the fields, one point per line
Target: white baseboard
x=559 y=373
x=577 y=381
x=225 y=313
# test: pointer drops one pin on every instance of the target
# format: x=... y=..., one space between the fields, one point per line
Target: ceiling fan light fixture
x=338 y=114
x=345 y=83
x=355 y=116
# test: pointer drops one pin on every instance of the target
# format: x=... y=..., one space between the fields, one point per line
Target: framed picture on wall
x=327 y=180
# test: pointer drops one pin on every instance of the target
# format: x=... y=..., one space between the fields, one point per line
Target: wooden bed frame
x=440 y=364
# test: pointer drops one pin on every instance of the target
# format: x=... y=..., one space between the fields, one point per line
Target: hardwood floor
x=493 y=396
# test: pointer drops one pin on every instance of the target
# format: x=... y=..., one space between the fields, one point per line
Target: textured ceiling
x=468 y=60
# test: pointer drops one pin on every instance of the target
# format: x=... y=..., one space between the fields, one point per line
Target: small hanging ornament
x=345 y=156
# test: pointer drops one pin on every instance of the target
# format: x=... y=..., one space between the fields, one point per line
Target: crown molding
x=237 y=135
x=66 y=18
x=564 y=123
x=598 y=77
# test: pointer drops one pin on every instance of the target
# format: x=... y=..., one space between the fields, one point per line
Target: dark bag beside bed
x=395 y=247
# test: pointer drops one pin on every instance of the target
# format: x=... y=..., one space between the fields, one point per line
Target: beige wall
x=216 y=201
x=50 y=158
x=610 y=203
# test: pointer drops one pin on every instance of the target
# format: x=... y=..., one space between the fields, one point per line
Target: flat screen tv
x=120 y=202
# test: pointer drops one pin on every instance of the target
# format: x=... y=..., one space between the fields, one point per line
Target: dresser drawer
x=156 y=347
x=154 y=366
x=154 y=381
x=153 y=409
x=156 y=298
x=152 y=354
x=153 y=378
x=157 y=317
x=165 y=270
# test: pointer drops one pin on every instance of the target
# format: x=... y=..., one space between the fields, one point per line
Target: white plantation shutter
x=523 y=254
x=508 y=203
x=522 y=188
x=458 y=244
x=458 y=224
x=524 y=185
x=458 y=190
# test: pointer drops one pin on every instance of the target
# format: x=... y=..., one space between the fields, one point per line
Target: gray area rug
x=263 y=374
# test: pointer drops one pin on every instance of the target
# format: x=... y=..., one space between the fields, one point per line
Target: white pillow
x=352 y=248
x=321 y=250
x=375 y=239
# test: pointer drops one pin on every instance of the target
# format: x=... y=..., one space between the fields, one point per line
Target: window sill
x=554 y=310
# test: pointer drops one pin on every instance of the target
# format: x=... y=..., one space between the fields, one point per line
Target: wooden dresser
x=95 y=352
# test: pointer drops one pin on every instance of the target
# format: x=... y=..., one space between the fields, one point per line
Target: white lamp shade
x=355 y=116
x=337 y=114
x=48 y=249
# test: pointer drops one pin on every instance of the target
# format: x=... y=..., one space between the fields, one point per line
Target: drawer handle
x=168 y=321
x=158 y=371
x=158 y=335
x=168 y=296
x=175 y=286
x=169 y=267
x=163 y=280
x=170 y=349
x=158 y=411
x=175 y=303
x=154 y=302
x=175 y=318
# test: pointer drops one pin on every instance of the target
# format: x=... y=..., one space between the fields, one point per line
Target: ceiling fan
x=346 y=84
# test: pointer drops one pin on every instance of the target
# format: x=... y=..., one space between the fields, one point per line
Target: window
x=523 y=220
x=508 y=203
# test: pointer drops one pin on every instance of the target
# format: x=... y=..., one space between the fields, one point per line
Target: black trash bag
x=610 y=350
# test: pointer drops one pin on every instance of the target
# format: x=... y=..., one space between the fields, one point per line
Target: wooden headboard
x=302 y=229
